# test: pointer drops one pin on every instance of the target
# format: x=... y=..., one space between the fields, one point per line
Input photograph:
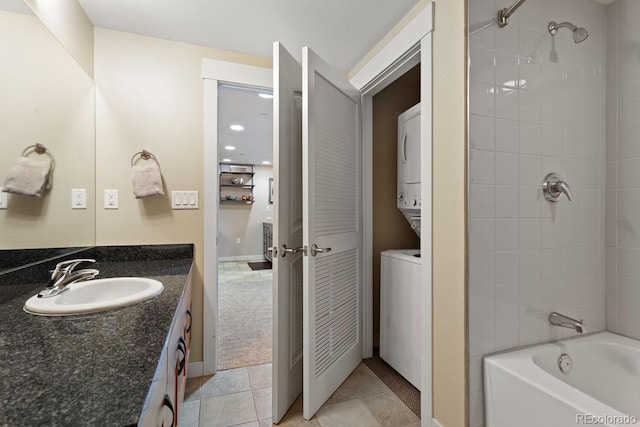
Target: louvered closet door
x=331 y=222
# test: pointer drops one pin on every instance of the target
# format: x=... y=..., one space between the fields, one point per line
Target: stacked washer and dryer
x=400 y=268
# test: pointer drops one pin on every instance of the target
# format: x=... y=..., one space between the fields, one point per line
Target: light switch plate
x=3 y=199
x=78 y=198
x=184 y=200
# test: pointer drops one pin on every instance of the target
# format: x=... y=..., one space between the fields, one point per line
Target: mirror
x=47 y=98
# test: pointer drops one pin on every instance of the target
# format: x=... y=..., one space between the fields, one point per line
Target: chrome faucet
x=553 y=186
x=558 y=319
x=64 y=274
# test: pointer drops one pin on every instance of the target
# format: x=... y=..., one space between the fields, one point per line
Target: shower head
x=579 y=34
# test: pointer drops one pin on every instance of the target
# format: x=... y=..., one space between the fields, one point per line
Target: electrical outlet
x=78 y=198
x=111 y=199
x=3 y=199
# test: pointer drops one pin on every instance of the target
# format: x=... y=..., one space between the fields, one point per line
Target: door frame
x=410 y=46
x=215 y=72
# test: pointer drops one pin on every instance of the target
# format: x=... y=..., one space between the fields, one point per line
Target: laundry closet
x=396 y=224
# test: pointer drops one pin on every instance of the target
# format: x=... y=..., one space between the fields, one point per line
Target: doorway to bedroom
x=245 y=280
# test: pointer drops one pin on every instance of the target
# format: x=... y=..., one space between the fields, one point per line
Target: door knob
x=273 y=250
x=316 y=250
x=285 y=250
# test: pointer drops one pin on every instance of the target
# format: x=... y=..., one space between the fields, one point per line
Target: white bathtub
x=526 y=388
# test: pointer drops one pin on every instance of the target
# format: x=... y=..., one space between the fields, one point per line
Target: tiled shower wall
x=536 y=106
x=623 y=168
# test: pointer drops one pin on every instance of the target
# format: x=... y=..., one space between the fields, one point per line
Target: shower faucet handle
x=553 y=186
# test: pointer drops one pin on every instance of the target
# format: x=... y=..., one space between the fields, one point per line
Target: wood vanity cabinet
x=164 y=401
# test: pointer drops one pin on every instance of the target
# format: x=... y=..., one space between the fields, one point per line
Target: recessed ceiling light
x=265 y=95
x=229 y=147
x=266 y=162
x=237 y=128
x=226 y=160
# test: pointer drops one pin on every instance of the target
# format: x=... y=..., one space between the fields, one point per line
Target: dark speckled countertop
x=92 y=369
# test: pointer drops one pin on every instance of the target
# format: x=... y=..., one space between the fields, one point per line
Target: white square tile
x=530 y=297
x=628 y=113
x=530 y=74
x=481 y=269
x=572 y=143
x=506 y=234
x=481 y=133
x=506 y=268
x=530 y=266
x=481 y=167
x=481 y=201
x=482 y=338
x=611 y=148
x=530 y=138
x=530 y=108
x=481 y=304
x=530 y=202
x=506 y=70
x=482 y=65
x=552 y=260
x=506 y=168
x=530 y=170
x=529 y=233
x=506 y=199
x=481 y=99
x=481 y=235
x=627 y=143
x=507 y=136
x=506 y=103
x=552 y=141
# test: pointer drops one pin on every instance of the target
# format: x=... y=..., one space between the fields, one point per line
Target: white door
x=287 y=231
x=332 y=230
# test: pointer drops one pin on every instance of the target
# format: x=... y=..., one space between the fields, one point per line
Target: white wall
x=536 y=106
x=623 y=169
x=245 y=221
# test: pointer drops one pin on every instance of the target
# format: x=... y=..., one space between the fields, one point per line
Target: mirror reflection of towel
x=28 y=177
x=147 y=180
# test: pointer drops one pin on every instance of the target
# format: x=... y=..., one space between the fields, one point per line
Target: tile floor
x=239 y=271
x=242 y=397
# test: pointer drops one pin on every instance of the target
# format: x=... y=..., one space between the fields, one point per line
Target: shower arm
x=504 y=14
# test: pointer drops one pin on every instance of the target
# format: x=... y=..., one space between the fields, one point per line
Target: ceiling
x=340 y=31
x=241 y=106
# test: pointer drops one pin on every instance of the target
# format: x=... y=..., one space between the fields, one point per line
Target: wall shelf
x=230 y=172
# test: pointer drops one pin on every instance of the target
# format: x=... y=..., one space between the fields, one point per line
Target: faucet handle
x=553 y=186
x=69 y=265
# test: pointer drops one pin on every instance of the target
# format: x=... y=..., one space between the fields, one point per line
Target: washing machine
x=409 y=199
x=400 y=312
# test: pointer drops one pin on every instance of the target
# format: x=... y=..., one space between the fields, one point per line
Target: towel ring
x=145 y=155
x=39 y=149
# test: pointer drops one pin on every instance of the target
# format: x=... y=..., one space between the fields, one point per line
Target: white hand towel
x=28 y=177
x=147 y=180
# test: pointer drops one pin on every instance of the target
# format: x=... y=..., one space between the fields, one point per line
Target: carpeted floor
x=402 y=388
x=245 y=312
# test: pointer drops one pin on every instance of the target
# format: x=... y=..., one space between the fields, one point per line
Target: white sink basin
x=95 y=295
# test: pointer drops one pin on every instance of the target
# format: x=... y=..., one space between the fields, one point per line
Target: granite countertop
x=91 y=369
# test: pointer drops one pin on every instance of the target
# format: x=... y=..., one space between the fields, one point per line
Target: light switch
x=184 y=200
x=78 y=198
x=3 y=199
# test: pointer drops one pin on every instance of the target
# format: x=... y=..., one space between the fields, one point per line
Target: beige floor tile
x=352 y=413
x=189 y=415
x=296 y=406
x=260 y=375
x=361 y=382
x=389 y=410
x=229 y=410
x=262 y=400
x=252 y=277
x=296 y=420
x=251 y=424
x=265 y=423
x=192 y=390
x=225 y=382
